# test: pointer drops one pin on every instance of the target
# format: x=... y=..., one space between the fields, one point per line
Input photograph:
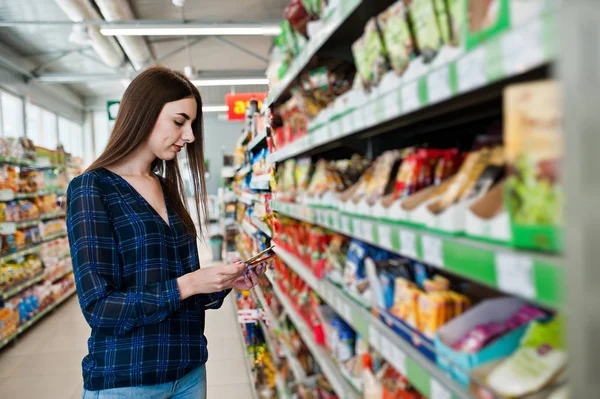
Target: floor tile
x=56 y=386
x=225 y=372
x=237 y=391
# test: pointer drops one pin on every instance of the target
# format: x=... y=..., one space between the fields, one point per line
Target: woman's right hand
x=210 y=279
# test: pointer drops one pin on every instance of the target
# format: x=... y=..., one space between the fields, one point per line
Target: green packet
x=370 y=55
x=425 y=25
x=397 y=36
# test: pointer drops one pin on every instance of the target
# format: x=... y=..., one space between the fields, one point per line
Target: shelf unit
x=420 y=371
x=36 y=318
x=22 y=286
x=261 y=182
x=453 y=73
x=257 y=140
x=262 y=226
x=531 y=275
x=343 y=388
x=247 y=359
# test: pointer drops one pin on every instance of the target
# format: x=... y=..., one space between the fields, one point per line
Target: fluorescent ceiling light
x=215 y=108
x=191 y=30
x=230 y=82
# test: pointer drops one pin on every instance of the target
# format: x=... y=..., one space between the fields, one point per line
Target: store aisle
x=46 y=361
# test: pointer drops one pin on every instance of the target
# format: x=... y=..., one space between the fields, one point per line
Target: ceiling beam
x=242 y=49
x=52 y=60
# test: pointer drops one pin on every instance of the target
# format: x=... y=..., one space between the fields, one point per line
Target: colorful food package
x=397 y=36
x=295 y=13
x=375 y=181
x=370 y=55
x=534 y=150
x=485 y=19
x=543 y=345
x=426 y=29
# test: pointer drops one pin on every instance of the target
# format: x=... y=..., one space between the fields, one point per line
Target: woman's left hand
x=250 y=277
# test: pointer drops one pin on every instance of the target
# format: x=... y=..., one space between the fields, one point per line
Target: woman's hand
x=251 y=277
x=210 y=279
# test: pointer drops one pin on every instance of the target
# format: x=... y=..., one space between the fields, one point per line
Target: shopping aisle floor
x=46 y=361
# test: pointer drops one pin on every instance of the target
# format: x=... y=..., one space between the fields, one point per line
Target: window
x=49 y=135
x=34 y=123
x=70 y=136
x=12 y=115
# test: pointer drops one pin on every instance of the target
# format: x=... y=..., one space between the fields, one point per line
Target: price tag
x=438 y=85
x=370 y=115
x=432 y=250
x=408 y=244
x=345 y=224
x=374 y=338
x=8 y=228
x=522 y=48
x=385 y=236
x=347 y=313
x=391 y=103
x=438 y=391
x=471 y=70
x=514 y=274
x=410 y=97
x=367 y=230
x=386 y=348
x=398 y=360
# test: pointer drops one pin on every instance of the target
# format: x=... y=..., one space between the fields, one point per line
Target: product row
x=18 y=311
x=52 y=262
x=23 y=151
x=498 y=187
x=478 y=339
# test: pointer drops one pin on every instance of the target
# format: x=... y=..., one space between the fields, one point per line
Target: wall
x=219 y=138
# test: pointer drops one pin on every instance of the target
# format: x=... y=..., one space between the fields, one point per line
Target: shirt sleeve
x=213 y=300
x=97 y=268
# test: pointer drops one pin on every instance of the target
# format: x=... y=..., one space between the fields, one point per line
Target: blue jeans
x=191 y=386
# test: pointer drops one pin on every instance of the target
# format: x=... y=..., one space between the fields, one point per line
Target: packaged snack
x=426 y=29
x=295 y=13
x=376 y=180
x=534 y=150
x=542 y=346
x=485 y=19
x=370 y=55
x=442 y=14
x=397 y=36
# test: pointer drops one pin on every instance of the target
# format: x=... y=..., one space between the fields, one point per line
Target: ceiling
x=47 y=46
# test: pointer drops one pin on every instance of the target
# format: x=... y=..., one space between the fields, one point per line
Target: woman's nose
x=188 y=135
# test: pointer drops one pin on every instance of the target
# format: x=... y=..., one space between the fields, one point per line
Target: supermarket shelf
x=419 y=370
x=26 y=251
x=282 y=390
x=61 y=276
x=23 y=286
x=269 y=341
x=534 y=276
x=332 y=23
x=257 y=140
x=52 y=215
x=453 y=73
x=262 y=226
x=249 y=228
x=248 y=198
x=342 y=387
x=261 y=182
x=248 y=361
x=55 y=236
x=244 y=170
x=44 y=312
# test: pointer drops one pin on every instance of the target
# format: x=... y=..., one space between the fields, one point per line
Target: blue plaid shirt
x=126 y=261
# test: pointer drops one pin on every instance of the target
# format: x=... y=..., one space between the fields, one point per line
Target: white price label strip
x=398 y=360
x=410 y=97
x=522 y=48
x=432 y=250
x=438 y=85
x=374 y=338
x=385 y=236
x=347 y=313
x=369 y=115
x=471 y=70
x=438 y=391
x=392 y=105
x=408 y=244
x=345 y=224
x=514 y=274
x=386 y=348
x=367 y=231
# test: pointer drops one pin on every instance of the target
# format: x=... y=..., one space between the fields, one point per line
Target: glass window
x=34 y=123
x=101 y=131
x=49 y=137
x=69 y=135
x=12 y=115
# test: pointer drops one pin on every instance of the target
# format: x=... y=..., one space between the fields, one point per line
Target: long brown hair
x=140 y=107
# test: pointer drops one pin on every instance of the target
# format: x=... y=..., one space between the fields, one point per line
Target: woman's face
x=173 y=129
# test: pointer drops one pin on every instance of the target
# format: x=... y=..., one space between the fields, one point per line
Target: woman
x=133 y=245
